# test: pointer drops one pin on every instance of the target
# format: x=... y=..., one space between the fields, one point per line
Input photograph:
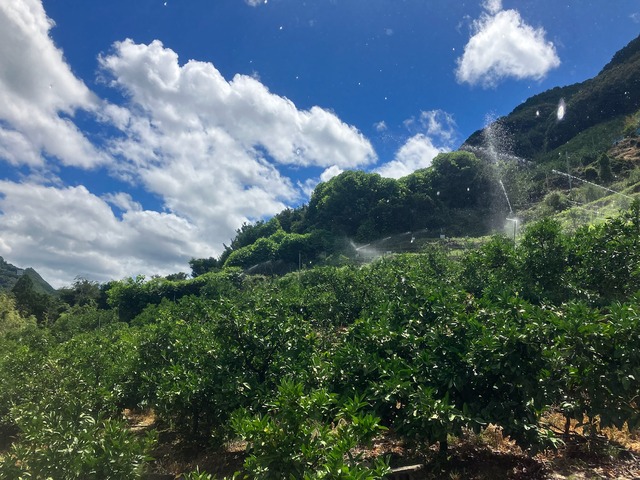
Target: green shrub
x=71 y=444
x=299 y=437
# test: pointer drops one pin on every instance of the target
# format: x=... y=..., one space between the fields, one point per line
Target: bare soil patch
x=613 y=454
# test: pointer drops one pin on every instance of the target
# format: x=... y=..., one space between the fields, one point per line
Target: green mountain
x=10 y=274
x=534 y=126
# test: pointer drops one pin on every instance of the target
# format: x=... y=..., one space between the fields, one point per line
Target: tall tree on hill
x=29 y=302
x=81 y=292
x=355 y=198
x=459 y=180
x=605 y=173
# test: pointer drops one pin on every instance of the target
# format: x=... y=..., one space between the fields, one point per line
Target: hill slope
x=9 y=275
x=535 y=127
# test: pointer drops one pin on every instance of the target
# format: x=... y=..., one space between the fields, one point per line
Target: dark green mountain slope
x=10 y=274
x=534 y=125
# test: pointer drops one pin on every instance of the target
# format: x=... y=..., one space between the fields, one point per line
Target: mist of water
x=400 y=242
x=494 y=155
x=572 y=177
x=497 y=146
x=366 y=251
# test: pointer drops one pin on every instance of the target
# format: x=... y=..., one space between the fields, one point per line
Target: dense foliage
x=313 y=364
x=455 y=195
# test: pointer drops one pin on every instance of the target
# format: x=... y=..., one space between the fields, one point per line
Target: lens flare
x=562 y=109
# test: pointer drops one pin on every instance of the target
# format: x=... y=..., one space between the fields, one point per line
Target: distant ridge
x=9 y=275
x=612 y=94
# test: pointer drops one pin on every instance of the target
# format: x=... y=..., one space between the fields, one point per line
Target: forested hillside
x=613 y=93
x=453 y=197
x=10 y=274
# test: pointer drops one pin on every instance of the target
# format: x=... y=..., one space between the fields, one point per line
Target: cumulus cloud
x=432 y=132
x=212 y=147
x=330 y=172
x=68 y=231
x=380 y=126
x=16 y=149
x=39 y=93
x=123 y=201
x=416 y=153
x=503 y=46
x=438 y=125
x=196 y=95
x=492 y=6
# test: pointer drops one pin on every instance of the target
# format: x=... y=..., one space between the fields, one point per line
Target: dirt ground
x=613 y=454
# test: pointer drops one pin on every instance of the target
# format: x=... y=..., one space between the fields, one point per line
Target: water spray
x=571 y=177
x=504 y=190
x=495 y=155
x=515 y=226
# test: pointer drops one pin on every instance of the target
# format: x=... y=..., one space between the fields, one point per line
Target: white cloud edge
x=503 y=46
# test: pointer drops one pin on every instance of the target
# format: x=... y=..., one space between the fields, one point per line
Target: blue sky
x=137 y=135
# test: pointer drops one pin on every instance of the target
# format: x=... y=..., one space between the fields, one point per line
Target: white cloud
x=438 y=125
x=196 y=95
x=416 y=153
x=330 y=172
x=492 y=6
x=63 y=232
x=254 y=3
x=504 y=46
x=123 y=201
x=211 y=147
x=432 y=132
x=38 y=92
x=380 y=126
x=16 y=149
